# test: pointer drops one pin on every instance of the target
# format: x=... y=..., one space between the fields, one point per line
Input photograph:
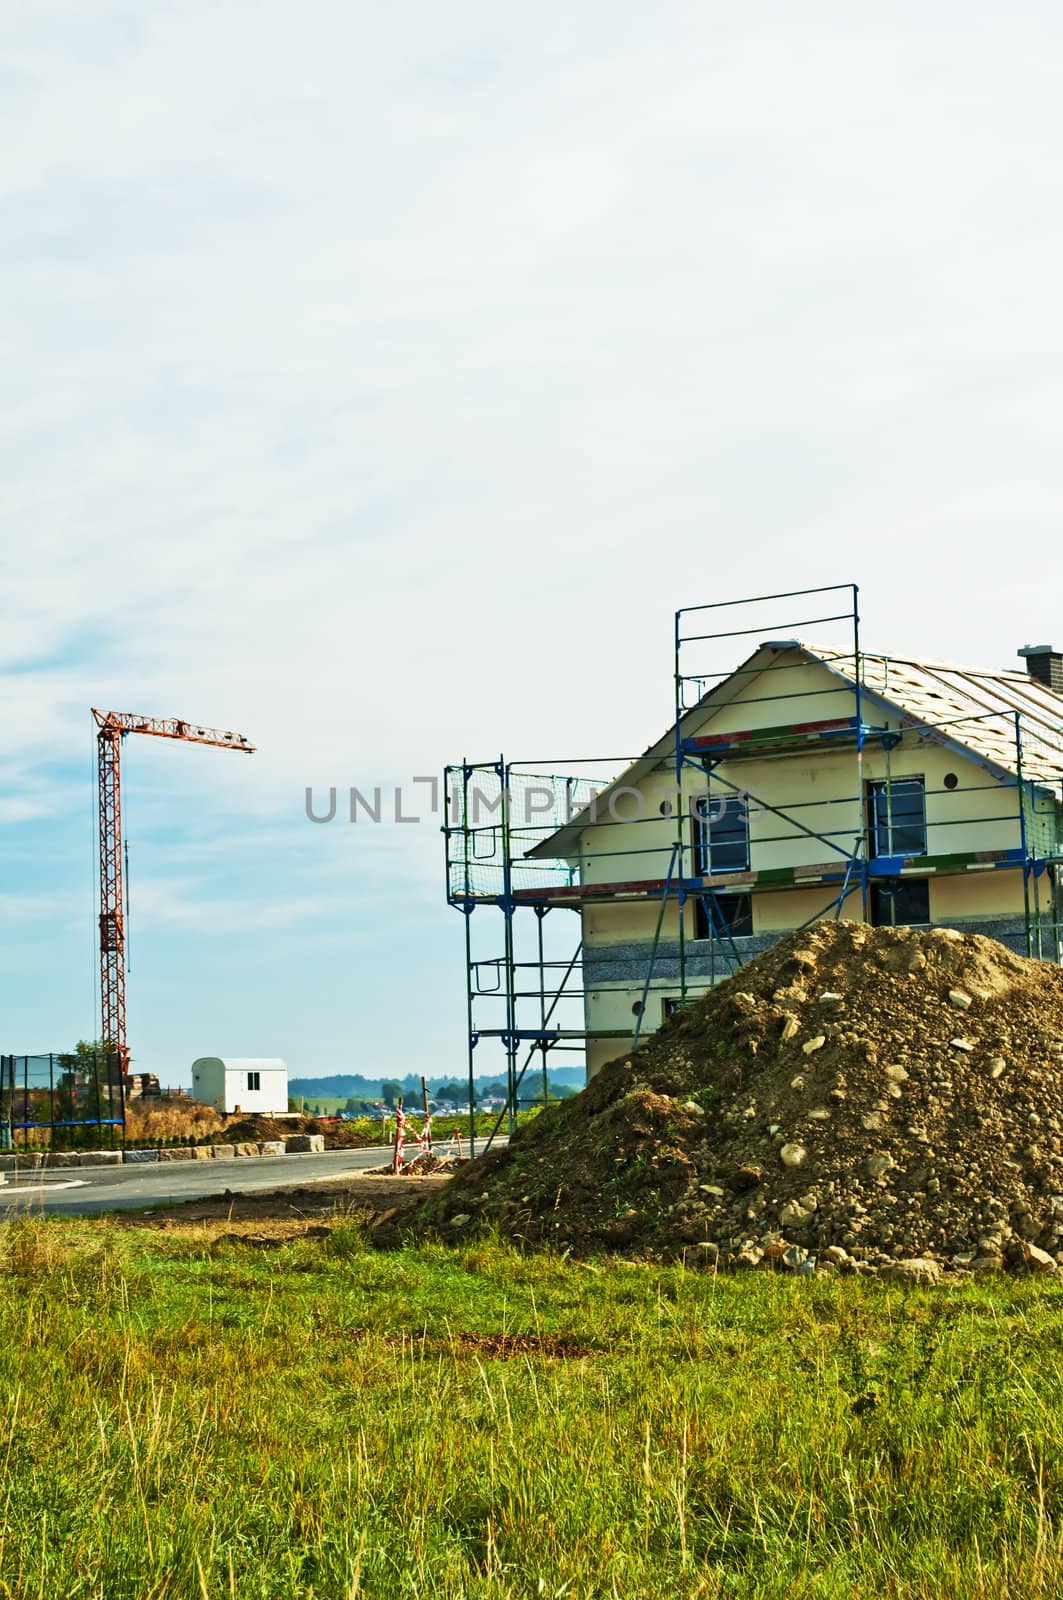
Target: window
x=254 y=1080
x=900 y=902
x=896 y=818
x=721 y=833
x=733 y=911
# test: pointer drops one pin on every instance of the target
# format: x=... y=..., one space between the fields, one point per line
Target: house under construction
x=802 y=777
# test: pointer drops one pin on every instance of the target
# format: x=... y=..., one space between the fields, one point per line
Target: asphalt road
x=84 y=1191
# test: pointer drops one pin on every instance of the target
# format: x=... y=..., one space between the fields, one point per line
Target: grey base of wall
x=36 y=1160
x=606 y=966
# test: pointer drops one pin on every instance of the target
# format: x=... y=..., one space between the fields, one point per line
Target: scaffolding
x=515 y=839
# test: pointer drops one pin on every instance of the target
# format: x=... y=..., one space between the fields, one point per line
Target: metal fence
x=68 y=1101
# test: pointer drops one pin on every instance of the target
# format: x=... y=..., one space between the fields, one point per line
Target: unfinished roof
x=973 y=706
x=972 y=709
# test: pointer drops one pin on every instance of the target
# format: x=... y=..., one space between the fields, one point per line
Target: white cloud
x=377 y=383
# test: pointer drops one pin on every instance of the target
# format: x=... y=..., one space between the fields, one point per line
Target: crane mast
x=112 y=728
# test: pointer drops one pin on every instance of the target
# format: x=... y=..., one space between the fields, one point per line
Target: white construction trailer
x=241 y=1083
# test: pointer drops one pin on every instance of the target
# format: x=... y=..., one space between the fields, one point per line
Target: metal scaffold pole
x=863 y=846
x=510 y=1040
x=1024 y=841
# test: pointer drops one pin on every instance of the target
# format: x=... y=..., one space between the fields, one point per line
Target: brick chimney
x=1044 y=665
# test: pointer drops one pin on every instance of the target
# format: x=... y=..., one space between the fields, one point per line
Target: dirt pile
x=251 y=1128
x=855 y=1095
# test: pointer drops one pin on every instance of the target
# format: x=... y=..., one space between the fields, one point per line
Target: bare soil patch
x=381 y=1203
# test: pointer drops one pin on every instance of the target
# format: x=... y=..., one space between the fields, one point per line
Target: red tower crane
x=113 y=727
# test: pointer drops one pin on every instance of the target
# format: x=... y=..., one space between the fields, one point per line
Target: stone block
x=271 y=1147
x=222 y=1152
x=61 y=1158
x=139 y=1157
x=176 y=1152
x=200 y=1152
x=304 y=1144
x=246 y=1148
x=100 y=1158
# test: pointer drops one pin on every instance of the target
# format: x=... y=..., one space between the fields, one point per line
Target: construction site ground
x=378 y=1202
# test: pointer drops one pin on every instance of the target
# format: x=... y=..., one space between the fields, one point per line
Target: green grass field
x=194 y=1417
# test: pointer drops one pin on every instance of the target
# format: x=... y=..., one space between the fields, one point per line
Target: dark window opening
x=896 y=818
x=900 y=902
x=732 y=913
x=254 y=1080
x=721 y=834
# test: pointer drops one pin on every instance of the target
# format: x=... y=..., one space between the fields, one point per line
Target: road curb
x=36 y=1160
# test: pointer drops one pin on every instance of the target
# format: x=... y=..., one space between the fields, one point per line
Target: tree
x=391 y=1090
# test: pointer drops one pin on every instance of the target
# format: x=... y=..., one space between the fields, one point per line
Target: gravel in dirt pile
x=854 y=1097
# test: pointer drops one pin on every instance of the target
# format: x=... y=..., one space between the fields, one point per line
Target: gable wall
x=817 y=789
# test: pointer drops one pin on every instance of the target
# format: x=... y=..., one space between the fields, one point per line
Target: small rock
x=820 y=1114
x=962 y=1044
x=460 y=1220
x=872 y=1122
x=751 y=1255
x=797 y=1083
x=811 y=1045
x=713 y=1189
x=916 y=963
x=898 y=1073
x=792 y=994
x=794 y=1215
x=959 y=999
x=788 y=1029
x=913 y=1269
x=692 y=1108
x=793 y=1155
x=990 y=1262
x=878 y=1164
x=1038 y=1260
x=829 y=998
x=836 y=1255
x=996 y=1066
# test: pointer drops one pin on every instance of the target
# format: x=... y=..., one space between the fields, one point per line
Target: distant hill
x=575 y=1077
x=356 y=1085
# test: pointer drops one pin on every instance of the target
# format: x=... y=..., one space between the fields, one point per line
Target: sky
x=377 y=381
